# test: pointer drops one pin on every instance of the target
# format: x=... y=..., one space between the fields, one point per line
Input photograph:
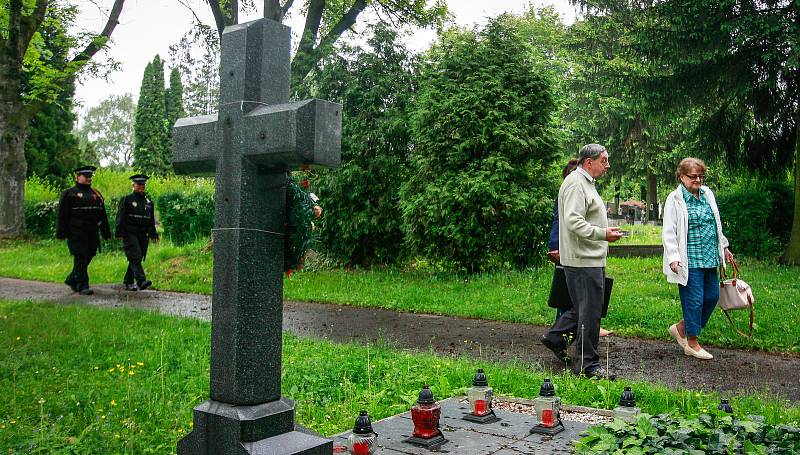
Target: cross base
x=262 y=429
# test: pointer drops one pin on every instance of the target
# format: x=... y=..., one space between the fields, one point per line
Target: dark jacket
x=136 y=216
x=81 y=212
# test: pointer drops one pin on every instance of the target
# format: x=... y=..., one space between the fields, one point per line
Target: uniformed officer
x=81 y=219
x=136 y=225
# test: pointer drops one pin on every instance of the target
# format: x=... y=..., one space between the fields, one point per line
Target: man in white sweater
x=583 y=243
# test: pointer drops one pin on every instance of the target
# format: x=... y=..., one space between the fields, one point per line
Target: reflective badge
x=80 y=194
x=134 y=204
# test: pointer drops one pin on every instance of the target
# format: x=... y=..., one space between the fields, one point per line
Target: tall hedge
x=478 y=196
x=362 y=225
x=757 y=220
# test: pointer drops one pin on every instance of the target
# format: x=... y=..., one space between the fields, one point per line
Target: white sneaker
x=702 y=354
x=682 y=342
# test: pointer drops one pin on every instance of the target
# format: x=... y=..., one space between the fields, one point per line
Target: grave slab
x=509 y=436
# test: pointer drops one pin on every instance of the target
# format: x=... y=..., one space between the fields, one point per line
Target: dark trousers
x=585 y=285
x=135 y=246
x=82 y=251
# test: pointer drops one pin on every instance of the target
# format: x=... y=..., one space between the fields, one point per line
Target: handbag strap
x=734 y=265
x=752 y=318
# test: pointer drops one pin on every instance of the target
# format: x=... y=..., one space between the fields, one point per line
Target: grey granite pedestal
x=509 y=436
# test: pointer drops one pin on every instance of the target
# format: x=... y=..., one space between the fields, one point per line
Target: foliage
x=756 y=219
x=109 y=128
x=186 y=217
x=199 y=75
x=51 y=150
x=483 y=137
x=80 y=379
x=375 y=85
x=714 y=433
x=299 y=225
x=41 y=203
x=151 y=151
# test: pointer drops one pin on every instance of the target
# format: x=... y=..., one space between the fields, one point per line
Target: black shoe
x=600 y=373
x=86 y=291
x=70 y=281
x=131 y=287
x=558 y=350
x=145 y=284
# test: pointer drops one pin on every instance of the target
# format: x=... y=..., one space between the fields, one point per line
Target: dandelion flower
x=113 y=402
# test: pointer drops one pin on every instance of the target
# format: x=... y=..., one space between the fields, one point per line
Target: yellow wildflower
x=113 y=402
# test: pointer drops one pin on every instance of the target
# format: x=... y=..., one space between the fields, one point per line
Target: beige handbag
x=735 y=294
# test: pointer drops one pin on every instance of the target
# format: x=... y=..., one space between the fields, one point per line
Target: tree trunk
x=792 y=255
x=652 y=197
x=13 y=132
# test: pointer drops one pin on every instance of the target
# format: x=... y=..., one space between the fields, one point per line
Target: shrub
x=757 y=219
x=478 y=196
x=186 y=216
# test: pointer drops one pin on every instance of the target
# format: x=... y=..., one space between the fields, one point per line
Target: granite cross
x=252 y=141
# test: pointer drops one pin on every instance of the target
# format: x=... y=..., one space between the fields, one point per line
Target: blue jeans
x=699 y=298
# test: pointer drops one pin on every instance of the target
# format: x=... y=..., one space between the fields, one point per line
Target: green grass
x=643 y=303
x=82 y=380
x=640 y=234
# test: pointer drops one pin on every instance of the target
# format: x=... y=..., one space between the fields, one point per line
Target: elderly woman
x=694 y=247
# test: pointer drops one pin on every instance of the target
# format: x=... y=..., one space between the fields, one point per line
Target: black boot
x=70 y=281
x=86 y=291
x=131 y=287
x=145 y=284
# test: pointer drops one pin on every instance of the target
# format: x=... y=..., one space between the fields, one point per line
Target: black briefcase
x=559 y=295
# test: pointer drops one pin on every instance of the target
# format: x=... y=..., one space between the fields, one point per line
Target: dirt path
x=632 y=358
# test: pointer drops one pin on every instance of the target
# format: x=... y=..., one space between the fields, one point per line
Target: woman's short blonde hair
x=688 y=164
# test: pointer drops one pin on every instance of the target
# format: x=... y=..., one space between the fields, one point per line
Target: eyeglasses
x=696 y=176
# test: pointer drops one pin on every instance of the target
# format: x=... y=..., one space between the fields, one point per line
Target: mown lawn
x=643 y=303
x=78 y=379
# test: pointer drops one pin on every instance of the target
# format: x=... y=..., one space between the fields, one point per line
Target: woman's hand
x=728 y=255
x=674 y=266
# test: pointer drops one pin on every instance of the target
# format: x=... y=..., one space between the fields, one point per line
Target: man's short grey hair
x=592 y=151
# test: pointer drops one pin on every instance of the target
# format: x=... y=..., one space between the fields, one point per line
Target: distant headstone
x=256 y=137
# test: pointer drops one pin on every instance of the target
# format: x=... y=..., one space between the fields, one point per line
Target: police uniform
x=81 y=219
x=136 y=225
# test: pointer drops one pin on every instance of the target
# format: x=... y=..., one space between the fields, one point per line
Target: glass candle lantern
x=362 y=440
x=627 y=410
x=480 y=395
x=724 y=406
x=425 y=415
x=548 y=410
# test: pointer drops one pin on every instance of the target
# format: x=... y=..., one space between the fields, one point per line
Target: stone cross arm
x=273 y=137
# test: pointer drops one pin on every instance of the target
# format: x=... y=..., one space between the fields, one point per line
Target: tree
x=736 y=64
x=109 y=127
x=174 y=99
x=152 y=151
x=20 y=41
x=199 y=76
x=478 y=196
x=51 y=150
x=375 y=87
x=327 y=20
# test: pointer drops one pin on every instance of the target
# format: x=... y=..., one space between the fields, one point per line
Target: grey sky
x=149 y=27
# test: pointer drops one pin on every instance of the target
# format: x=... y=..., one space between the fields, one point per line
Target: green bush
x=757 y=219
x=41 y=204
x=186 y=216
x=478 y=194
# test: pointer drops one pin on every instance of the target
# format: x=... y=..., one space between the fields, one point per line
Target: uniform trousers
x=135 y=246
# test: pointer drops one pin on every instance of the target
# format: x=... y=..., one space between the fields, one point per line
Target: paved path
x=633 y=358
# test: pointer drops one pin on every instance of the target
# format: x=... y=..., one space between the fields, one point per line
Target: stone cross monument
x=250 y=144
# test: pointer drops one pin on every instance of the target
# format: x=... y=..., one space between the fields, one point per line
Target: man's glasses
x=696 y=176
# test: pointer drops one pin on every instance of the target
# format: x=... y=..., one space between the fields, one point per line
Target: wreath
x=299 y=224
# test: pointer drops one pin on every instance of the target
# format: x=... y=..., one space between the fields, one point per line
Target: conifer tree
x=151 y=135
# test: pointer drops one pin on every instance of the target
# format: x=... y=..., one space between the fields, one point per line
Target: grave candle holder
x=627 y=410
x=362 y=440
x=425 y=414
x=480 y=400
x=724 y=406
x=548 y=410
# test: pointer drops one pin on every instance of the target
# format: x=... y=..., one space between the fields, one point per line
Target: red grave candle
x=361 y=448
x=547 y=418
x=480 y=407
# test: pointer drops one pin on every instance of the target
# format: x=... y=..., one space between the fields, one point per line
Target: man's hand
x=554 y=257
x=613 y=234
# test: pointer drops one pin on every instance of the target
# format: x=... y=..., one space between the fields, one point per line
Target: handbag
x=735 y=294
x=559 y=293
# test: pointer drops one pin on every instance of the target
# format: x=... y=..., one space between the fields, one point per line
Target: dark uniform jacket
x=136 y=216
x=82 y=215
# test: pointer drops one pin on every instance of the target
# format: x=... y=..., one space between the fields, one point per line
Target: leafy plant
x=714 y=433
